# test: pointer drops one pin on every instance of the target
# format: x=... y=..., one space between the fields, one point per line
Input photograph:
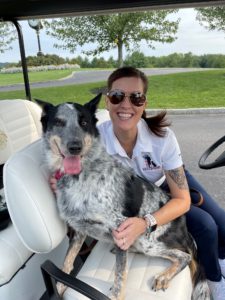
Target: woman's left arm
x=180 y=200
x=179 y=204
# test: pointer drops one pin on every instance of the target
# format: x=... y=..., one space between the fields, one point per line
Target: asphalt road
x=92 y=76
x=195 y=133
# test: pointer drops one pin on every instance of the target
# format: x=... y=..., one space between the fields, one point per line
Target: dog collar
x=58 y=174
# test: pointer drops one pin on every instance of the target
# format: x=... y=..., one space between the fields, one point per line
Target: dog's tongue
x=72 y=165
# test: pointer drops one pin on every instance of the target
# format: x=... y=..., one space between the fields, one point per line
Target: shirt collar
x=113 y=146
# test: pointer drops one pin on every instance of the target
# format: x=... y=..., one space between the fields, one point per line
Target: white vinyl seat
x=35 y=218
x=19 y=126
x=98 y=271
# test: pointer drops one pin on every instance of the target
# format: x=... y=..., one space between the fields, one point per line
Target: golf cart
x=34 y=242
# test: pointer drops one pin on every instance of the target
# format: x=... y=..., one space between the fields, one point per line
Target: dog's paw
x=112 y=295
x=60 y=288
x=160 y=282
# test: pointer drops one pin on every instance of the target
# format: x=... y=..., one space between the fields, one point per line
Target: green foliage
x=7 y=35
x=44 y=60
x=212 y=61
x=176 y=60
x=118 y=30
x=137 y=60
x=213 y=18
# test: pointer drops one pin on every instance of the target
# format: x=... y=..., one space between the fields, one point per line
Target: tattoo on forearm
x=179 y=178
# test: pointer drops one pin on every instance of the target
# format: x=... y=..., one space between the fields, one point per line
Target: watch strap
x=151 y=223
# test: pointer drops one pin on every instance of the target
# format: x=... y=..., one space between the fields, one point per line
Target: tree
x=7 y=35
x=136 y=59
x=43 y=60
x=119 y=30
x=212 y=17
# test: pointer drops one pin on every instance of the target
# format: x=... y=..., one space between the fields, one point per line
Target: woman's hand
x=126 y=234
x=53 y=183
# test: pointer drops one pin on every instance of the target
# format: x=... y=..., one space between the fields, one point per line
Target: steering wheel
x=218 y=162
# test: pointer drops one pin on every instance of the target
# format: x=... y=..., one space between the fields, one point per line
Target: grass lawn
x=9 y=79
x=183 y=90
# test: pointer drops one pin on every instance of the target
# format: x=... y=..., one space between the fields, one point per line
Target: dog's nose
x=74 y=147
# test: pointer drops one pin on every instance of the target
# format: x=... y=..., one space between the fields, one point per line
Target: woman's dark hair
x=127 y=72
x=156 y=123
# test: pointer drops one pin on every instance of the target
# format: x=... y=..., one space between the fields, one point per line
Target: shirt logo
x=149 y=164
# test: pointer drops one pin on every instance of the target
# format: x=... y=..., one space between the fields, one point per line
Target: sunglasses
x=117 y=96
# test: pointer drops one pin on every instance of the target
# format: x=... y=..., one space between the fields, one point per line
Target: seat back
x=30 y=200
x=19 y=126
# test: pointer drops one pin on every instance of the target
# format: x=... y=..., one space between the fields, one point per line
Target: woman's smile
x=124 y=116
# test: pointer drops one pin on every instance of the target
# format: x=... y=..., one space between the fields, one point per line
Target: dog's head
x=69 y=131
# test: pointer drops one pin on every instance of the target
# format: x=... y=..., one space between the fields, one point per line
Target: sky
x=191 y=37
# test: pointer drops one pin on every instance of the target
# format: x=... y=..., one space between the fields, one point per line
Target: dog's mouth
x=71 y=163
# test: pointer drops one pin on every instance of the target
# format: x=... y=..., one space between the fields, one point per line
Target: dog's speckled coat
x=105 y=193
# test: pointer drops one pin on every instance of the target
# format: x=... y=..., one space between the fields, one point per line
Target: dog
x=95 y=194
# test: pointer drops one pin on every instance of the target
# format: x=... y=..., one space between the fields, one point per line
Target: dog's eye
x=59 y=122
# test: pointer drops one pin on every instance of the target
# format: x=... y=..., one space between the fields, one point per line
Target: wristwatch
x=151 y=223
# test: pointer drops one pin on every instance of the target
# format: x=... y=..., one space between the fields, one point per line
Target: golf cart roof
x=25 y=9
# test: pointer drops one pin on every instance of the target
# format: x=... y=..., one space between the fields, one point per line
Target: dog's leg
x=179 y=261
x=118 y=289
x=72 y=252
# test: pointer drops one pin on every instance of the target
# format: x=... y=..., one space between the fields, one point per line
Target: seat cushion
x=13 y=254
x=98 y=271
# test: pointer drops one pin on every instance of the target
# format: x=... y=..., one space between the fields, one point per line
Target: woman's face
x=125 y=115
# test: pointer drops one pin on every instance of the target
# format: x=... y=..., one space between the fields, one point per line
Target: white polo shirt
x=151 y=154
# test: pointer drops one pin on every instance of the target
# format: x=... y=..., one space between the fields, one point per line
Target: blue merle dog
x=95 y=194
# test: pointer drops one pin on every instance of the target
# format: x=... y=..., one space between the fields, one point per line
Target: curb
x=189 y=111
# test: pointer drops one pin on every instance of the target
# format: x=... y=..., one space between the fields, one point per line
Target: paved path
x=92 y=76
x=196 y=133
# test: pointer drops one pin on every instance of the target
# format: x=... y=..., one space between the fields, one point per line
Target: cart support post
x=23 y=59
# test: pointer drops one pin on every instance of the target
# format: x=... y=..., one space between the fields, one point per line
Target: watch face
x=33 y=23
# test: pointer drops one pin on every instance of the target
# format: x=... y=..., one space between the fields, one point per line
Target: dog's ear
x=46 y=108
x=44 y=105
x=93 y=104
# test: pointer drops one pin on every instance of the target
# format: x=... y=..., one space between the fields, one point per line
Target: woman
x=151 y=149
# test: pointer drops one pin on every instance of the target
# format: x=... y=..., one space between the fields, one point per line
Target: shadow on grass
x=98 y=90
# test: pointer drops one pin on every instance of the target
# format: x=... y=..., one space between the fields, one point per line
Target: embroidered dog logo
x=148 y=162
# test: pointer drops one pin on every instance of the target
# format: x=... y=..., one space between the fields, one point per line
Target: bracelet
x=151 y=224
